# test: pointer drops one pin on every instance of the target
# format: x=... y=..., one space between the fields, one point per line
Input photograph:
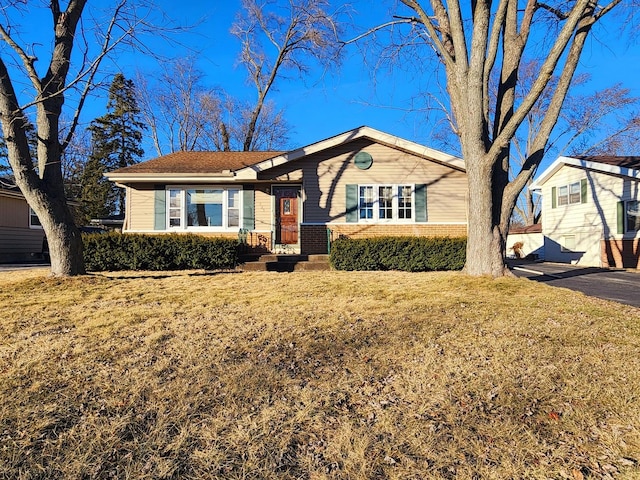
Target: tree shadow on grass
x=164 y=274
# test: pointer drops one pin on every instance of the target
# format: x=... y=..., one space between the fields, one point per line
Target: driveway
x=617 y=285
x=8 y=267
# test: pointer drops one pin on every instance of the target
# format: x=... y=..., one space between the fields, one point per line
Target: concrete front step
x=286 y=263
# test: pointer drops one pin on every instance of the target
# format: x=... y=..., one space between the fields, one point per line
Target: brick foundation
x=313 y=239
x=620 y=253
x=396 y=230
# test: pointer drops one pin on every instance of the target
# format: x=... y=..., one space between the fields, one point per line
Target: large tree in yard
x=53 y=72
x=116 y=142
x=474 y=40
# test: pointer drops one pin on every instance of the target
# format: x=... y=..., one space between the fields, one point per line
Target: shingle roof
x=199 y=162
x=617 y=161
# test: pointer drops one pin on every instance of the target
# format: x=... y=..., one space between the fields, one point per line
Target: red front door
x=287 y=215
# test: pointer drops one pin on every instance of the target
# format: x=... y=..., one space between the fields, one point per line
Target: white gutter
x=585 y=164
x=170 y=177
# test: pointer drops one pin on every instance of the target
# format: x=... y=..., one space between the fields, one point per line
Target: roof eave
x=584 y=164
x=251 y=172
x=170 y=177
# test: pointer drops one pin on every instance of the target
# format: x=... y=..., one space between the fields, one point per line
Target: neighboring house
x=591 y=210
x=360 y=183
x=21 y=235
x=526 y=242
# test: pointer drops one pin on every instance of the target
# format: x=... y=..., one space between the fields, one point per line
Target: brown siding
x=14 y=212
x=141 y=203
x=327 y=173
x=16 y=243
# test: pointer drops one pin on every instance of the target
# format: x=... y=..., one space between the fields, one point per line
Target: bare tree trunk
x=63 y=238
x=44 y=188
x=486 y=236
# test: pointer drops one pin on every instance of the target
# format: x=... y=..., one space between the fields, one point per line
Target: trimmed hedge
x=411 y=254
x=117 y=251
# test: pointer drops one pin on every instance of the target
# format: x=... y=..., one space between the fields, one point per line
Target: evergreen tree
x=116 y=139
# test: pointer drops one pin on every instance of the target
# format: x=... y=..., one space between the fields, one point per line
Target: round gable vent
x=363 y=160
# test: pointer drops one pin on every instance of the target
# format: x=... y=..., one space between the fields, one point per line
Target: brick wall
x=419 y=230
x=620 y=253
x=313 y=239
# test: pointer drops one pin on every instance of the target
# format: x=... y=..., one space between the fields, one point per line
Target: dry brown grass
x=329 y=375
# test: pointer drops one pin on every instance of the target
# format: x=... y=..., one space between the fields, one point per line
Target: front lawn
x=328 y=375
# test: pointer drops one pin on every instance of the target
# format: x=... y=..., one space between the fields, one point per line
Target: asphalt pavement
x=617 y=285
x=8 y=267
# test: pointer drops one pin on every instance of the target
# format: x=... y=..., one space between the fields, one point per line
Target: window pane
x=175 y=208
x=34 y=221
x=204 y=208
x=633 y=216
x=233 y=212
x=563 y=195
x=404 y=202
x=385 y=202
x=568 y=243
x=574 y=193
x=366 y=202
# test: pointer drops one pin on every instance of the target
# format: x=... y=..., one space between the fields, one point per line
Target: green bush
x=411 y=254
x=117 y=251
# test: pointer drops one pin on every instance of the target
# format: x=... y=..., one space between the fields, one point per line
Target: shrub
x=117 y=251
x=411 y=254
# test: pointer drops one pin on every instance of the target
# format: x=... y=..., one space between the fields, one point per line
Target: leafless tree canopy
x=38 y=78
x=276 y=40
x=184 y=114
x=474 y=41
x=602 y=122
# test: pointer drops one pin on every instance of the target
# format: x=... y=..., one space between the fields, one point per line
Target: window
x=34 y=221
x=572 y=193
x=175 y=208
x=404 y=202
x=216 y=208
x=568 y=243
x=366 y=202
x=632 y=214
x=385 y=202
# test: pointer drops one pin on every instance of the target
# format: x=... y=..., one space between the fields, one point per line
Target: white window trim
x=31 y=215
x=568 y=187
x=183 y=208
x=394 y=203
x=626 y=216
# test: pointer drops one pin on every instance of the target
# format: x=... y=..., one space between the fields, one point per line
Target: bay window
x=200 y=208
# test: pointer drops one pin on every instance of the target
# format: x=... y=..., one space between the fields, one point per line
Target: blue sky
x=327 y=103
